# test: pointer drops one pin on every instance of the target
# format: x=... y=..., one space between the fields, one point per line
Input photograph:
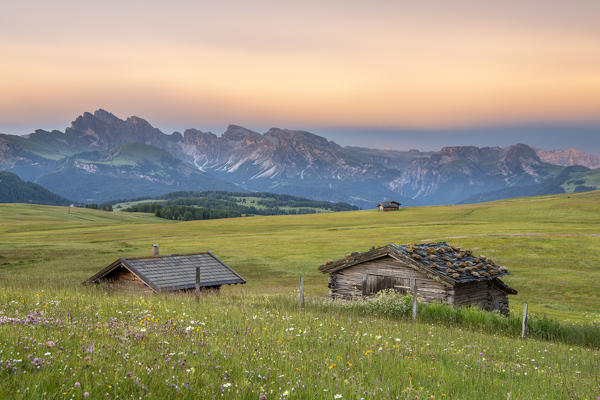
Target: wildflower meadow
x=97 y=345
x=62 y=340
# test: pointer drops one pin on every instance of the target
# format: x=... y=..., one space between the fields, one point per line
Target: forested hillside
x=15 y=190
x=188 y=206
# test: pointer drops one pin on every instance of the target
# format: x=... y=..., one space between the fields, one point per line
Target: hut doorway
x=373 y=283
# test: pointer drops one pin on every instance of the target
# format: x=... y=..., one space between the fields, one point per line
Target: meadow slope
x=61 y=340
x=549 y=243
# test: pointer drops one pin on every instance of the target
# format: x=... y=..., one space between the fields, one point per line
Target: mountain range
x=102 y=157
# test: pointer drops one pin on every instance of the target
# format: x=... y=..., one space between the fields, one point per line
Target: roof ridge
x=175 y=271
x=166 y=256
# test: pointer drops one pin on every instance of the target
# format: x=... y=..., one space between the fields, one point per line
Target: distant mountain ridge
x=569 y=158
x=295 y=162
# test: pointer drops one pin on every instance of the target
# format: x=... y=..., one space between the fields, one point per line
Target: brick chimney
x=155 y=250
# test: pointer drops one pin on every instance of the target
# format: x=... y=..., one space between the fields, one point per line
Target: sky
x=399 y=75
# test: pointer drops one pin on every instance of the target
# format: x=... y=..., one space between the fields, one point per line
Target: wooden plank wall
x=122 y=278
x=348 y=283
x=483 y=294
x=369 y=277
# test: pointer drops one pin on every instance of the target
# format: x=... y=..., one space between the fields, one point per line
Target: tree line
x=182 y=213
x=187 y=205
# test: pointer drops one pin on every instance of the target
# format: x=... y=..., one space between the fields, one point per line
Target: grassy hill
x=242 y=343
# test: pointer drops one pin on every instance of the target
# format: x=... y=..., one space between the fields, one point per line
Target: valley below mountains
x=101 y=157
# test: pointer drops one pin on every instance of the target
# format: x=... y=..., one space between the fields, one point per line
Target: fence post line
x=301 y=292
x=197 y=283
x=414 y=300
x=524 y=327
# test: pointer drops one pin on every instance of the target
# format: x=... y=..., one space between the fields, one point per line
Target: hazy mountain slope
x=21 y=157
x=456 y=173
x=15 y=190
x=127 y=171
x=392 y=159
x=582 y=181
x=570 y=179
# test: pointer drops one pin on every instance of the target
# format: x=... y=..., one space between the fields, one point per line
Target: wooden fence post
x=301 y=292
x=414 y=300
x=197 y=283
x=524 y=327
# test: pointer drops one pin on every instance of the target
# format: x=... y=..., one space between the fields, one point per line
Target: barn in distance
x=175 y=272
x=441 y=273
x=388 y=206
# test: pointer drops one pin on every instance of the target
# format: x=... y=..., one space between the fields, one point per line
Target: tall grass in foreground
x=389 y=304
x=88 y=342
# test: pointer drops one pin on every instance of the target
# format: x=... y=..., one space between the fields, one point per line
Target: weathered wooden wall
x=484 y=294
x=122 y=278
x=369 y=277
x=360 y=279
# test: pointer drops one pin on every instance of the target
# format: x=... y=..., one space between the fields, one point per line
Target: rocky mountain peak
x=238 y=133
x=459 y=151
x=569 y=157
x=104 y=129
x=297 y=136
x=521 y=151
x=137 y=121
x=104 y=116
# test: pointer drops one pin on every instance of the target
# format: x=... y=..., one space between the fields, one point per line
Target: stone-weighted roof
x=459 y=264
x=450 y=263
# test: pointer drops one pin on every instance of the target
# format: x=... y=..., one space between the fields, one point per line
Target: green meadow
x=549 y=244
x=59 y=339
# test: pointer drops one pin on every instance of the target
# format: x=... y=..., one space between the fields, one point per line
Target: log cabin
x=388 y=206
x=175 y=272
x=441 y=273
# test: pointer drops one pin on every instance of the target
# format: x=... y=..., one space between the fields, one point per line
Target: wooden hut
x=388 y=206
x=441 y=273
x=167 y=273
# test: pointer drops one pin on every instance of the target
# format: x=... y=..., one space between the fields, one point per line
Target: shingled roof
x=175 y=272
x=445 y=263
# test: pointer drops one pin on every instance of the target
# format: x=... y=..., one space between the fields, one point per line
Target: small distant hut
x=389 y=206
x=441 y=273
x=175 y=272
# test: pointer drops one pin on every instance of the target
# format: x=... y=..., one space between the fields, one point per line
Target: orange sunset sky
x=434 y=65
